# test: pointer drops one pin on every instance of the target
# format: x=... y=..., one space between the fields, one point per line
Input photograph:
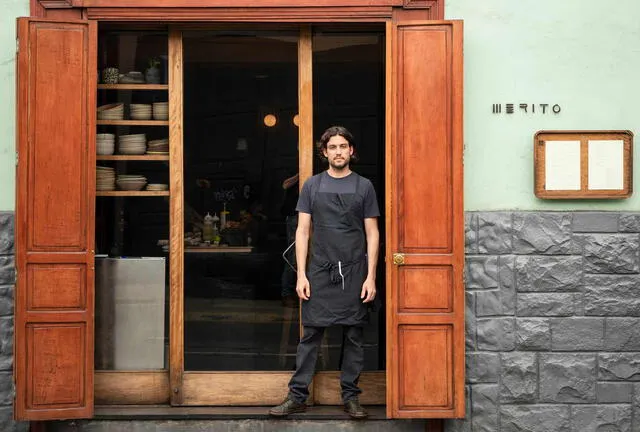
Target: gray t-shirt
x=339 y=185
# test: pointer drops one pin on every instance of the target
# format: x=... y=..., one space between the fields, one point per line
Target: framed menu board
x=583 y=164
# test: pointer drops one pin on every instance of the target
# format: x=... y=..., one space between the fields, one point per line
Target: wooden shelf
x=218 y=249
x=133 y=87
x=133 y=122
x=133 y=157
x=132 y=193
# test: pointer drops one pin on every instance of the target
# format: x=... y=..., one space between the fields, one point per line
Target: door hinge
x=17 y=46
x=16 y=158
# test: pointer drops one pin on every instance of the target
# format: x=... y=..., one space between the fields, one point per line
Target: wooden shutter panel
x=54 y=310
x=425 y=253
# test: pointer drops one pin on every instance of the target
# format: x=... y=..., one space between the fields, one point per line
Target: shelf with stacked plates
x=131 y=147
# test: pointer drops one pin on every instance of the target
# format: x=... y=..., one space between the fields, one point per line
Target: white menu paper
x=562 y=165
x=606 y=164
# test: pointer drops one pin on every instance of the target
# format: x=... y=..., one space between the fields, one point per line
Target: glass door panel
x=348 y=90
x=240 y=147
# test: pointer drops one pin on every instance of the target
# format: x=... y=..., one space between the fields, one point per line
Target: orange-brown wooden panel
x=425 y=289
x=55 y=355
x=57 y=180
x=52 y=286
x=54 y=306
x=423 y=139
x=429 y=386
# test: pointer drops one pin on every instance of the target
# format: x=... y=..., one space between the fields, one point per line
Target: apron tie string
x=335 y=270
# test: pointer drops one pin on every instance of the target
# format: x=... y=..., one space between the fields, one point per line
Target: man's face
x=338 y=152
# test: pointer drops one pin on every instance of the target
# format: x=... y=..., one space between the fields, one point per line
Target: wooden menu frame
x=583 y=137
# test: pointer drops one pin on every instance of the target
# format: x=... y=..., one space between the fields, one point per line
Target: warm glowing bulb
x=296 y=120
x=270 y=120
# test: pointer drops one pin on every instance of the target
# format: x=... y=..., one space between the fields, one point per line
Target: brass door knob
x=398 y=259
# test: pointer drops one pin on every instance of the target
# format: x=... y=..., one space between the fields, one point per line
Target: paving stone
x=577 y=334
x=519 y=377
x=533 y=334
x=471 y=233
x=546 y=304
x=622 y=334
x=611 y=295
x=496 y=302
x=548 y=274
x=7 y=270
x=619 y=366
x=494 y=233
x=8 y=425
x=600 y=418
x=568 y=378
x=534 y=418
x=481 y=272
x=6 y=388
x=611 y=253
x=507 y=271
x=542 y=233
x=630 y=222
x=614 y=392
x=496 y=334
x=595 y=222
x=6 y=343
x=484 y=411
x=7 y=234
x=6 y=300
x=470 y=321
x=482 y=367
x=635 y=407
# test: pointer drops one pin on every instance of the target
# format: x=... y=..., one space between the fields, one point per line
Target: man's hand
x=368 y=290
x=303 y=288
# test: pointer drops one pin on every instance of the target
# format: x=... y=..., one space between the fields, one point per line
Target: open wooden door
x=425 y=251
x=54 y=309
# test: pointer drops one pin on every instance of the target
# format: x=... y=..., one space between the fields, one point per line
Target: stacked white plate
x=111 y=112
x=134 y=144
x=140 y=111
x=161 y=110
x=131 y=182
x=105 y=178
x=105 y=143
x=159 y=146
x=157 y=187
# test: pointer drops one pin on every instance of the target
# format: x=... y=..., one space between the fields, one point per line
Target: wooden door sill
x=166 y=412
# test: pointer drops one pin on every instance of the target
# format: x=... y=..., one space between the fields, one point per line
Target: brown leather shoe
x=354 y=409
x=287 y=407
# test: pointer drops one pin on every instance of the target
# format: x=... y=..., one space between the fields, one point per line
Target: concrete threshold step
x=236 y=419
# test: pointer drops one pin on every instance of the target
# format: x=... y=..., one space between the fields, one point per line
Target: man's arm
x=302 y=246
x=373 y=242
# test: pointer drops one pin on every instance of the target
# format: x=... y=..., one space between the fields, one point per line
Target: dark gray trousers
x=307 y=355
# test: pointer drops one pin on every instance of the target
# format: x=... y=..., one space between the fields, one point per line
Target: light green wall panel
x=573 y=52
x=10 y=10
x=582 y=54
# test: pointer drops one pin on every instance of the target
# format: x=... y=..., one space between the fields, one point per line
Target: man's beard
x=343 y=164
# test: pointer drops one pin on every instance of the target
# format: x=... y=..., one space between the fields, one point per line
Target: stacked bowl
x=161 y=110
x=105 y=178
x=131 y=182
x=159 y=146
x=157 y=187
x=111 y=112
x=134 y=144
x=140 y=111
x=105 y=143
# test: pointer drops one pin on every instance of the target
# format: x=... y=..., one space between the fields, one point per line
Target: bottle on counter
x=223 y=217
x=207 y=229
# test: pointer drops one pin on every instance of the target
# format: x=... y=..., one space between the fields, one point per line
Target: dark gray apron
x=338 y=264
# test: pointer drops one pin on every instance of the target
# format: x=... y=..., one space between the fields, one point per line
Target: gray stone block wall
x=553 y=322
x=7 y=281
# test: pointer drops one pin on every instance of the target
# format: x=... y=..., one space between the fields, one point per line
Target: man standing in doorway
x=340 y=278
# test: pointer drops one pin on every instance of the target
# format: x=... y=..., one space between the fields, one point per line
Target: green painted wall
x=10 y=10
x=582 y=55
